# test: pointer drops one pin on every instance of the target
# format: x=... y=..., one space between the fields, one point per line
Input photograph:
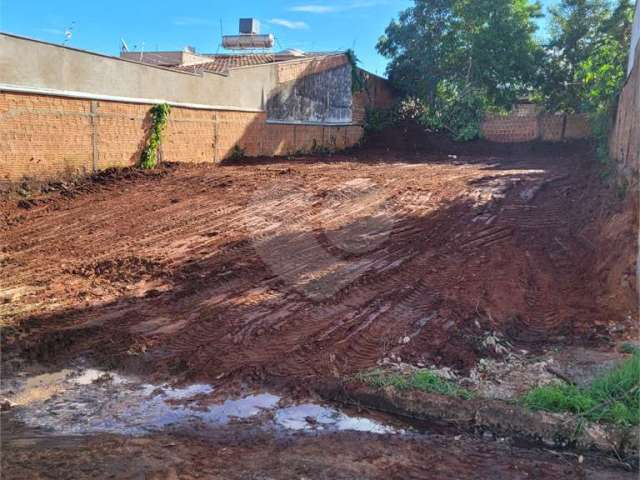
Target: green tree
x=419 y=45
x=587 y=37
x=484 y=45
x=600 y=76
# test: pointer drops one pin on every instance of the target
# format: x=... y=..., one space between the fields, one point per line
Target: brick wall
x=44 y=137
x=378 y=94
x=512 y=128
x=522 y=126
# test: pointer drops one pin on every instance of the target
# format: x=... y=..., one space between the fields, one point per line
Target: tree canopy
x=460 y=58
x=484 y=44
x=587 y=36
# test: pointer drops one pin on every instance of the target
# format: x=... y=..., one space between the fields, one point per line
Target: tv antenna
x=124 y=47
x=68 y=33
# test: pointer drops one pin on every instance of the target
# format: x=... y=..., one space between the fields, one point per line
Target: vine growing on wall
x=358 y=82
x=159 y=117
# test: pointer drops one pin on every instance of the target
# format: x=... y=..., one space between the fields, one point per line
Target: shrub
x=457 y=110
x=237 y=152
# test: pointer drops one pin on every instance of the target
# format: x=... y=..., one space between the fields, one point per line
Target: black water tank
x=249 y=26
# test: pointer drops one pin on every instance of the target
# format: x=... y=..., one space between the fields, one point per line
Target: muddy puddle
x=91 y=401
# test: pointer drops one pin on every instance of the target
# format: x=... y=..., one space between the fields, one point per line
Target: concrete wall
x=323 y=97
x=34 y=64
x=38 y=65
x=624 y=143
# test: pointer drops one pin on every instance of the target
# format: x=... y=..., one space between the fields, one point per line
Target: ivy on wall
x=358 y=82
x=159 y=116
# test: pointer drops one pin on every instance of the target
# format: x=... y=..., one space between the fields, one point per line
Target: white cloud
x=53 y=31
x=191 y=21
x=323 y=8
x=313 y=8
x=291 y=24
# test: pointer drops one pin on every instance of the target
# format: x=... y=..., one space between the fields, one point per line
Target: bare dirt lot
x=286 y=272
x=311 y=267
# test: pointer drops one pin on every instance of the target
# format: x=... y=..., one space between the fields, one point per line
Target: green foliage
x=629 y=347
x=602 y=74
x=318 y=149
x=573 y=26
x=159 y=117
x=237 y=153
x=586 y=56
x=358 y=80
x=485 y=44
x=459 y=111
x=422 y=380
x=462 y=58
x=376 y=119
x=409 y=108
x=611 y=398
x=600 y=77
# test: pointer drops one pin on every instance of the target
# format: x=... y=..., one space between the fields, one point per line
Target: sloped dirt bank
x=492 y=418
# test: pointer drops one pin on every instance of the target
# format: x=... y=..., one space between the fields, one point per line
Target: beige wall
x=35 y=64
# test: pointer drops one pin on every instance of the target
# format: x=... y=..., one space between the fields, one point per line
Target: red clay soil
x=337 y=456
x=311 y=267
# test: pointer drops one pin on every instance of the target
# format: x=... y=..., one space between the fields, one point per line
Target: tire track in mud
x=355 y=263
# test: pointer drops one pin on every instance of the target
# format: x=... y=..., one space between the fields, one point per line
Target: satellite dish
x=125 y=47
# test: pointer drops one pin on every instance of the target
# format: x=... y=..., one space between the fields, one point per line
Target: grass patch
x=422 y=380
x=611 y=398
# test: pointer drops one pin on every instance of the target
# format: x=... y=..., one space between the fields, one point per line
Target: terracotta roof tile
x=223 y=63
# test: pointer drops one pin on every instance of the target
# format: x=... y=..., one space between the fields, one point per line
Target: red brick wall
x=517 y=127
x=378 y=94
x=45 y=137
x=512 y=128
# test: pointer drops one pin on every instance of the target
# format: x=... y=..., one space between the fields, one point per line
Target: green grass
x=611 y=398
x=422 y=380
x=629 y=347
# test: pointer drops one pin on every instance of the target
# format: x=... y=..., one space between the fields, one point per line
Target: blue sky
x=323 y=25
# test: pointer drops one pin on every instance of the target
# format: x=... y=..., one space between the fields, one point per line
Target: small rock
x=7 y=298
x=6 y=405
x=311 y=420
